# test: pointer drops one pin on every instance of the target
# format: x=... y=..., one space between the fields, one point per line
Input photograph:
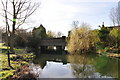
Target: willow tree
x=15 y=13
x=81 y=39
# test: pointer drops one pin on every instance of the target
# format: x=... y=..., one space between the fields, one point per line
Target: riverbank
x=23 y=73
x=110 y=52
x=19 y=62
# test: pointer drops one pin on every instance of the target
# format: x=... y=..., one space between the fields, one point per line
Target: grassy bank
x=19 y=59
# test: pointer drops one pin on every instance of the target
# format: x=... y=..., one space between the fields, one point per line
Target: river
x=74 y=66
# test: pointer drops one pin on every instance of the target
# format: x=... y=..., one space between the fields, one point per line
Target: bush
x=100 y=45
x=115 y=37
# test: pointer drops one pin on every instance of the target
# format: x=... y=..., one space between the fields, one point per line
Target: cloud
x=57 y=15
x=89 y=1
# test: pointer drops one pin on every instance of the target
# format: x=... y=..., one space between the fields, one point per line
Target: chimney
x=103 y=25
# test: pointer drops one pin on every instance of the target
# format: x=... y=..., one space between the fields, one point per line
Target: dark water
x=75 y=66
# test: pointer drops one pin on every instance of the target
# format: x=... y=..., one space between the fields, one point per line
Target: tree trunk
x=12 y=43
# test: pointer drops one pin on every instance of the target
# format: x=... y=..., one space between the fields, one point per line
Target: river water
x=74 y=66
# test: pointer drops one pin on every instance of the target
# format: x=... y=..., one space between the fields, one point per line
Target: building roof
x=118 y=27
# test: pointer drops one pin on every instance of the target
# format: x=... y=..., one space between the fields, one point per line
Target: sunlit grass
x=4 y=49
x=5 y=74
x=6 y=71
x=2 y=46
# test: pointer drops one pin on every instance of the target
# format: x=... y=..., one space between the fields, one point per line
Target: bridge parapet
x=54 y=41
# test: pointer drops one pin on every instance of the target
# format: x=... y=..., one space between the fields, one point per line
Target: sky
x=58 y=15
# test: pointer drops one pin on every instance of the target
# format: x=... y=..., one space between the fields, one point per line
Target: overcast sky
x=58 y=15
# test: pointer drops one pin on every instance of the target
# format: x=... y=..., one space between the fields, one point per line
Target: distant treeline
x=31 y=39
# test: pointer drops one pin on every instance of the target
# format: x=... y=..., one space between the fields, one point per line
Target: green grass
x=6 y=74
x=4 y=49
x=2 y=46
x=6 y=71
x=19 y=51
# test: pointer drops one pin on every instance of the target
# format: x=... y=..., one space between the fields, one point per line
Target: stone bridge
x=59 y=43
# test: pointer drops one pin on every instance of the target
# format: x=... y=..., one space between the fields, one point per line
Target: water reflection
x=81 y=67
x=76 y=66
x=43 y=58
x=94 y=67
x=107 y=66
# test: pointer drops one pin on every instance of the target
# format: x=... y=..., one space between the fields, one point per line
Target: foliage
x=95 y=37
x=100 y=45
x=109 y=40
x=19 y=41
x=103 y=34
x=82 y=39
x=21 y=38
x=115 y=33
x=114 y=37
x=33 y=44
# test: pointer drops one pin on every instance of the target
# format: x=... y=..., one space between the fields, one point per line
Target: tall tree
x=115 y=15
x=15 y=13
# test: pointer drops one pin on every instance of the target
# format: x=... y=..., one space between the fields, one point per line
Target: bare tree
x=2 y=29
x=59 y=34
x=115 y=15
x=15 y=13
x=75 y=24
